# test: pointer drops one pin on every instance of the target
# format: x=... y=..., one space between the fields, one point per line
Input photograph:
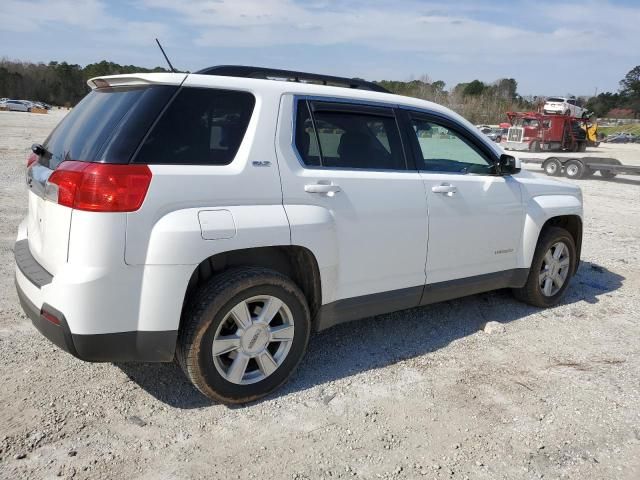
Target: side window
x=202 y=126
x=349 y=139
x=306 y=140
x=443 y=150
x=571 y=102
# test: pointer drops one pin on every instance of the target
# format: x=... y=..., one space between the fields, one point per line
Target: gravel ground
x=425 y=393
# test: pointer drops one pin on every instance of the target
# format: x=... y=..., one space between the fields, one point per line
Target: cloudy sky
x=551 y=47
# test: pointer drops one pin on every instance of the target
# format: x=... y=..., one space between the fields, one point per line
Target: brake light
x=101 y=187
x=31 y=159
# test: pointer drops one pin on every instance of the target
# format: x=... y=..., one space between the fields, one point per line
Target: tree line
x=56 y=83
x=64 y=84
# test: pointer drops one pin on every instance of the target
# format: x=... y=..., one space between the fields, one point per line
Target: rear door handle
x=445 y=188
x=326 y=188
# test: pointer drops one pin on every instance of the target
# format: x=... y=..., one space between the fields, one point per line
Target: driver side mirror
x=508 y=165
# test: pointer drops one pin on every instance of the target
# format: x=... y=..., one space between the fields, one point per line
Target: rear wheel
x=552 y=167
x=607 y=174
x=574 y=169
x=551 y=270
x=244 y=334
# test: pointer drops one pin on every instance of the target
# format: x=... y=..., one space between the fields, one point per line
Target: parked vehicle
x=536 y=132
x=494 y=134
x=563 y=106
x=17 y=105
x=222 y=217
x=621 y=137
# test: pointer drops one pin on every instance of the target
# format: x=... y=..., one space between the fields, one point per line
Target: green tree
x=475 y=87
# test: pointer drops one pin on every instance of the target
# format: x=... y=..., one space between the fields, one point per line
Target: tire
x=209 y=317
x=533 y=291
x=574 y=169
x=552 y=167
x=534 y=146
x=567 y=112
x=608 y=174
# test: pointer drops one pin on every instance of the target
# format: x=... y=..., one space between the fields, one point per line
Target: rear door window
x=107 y=125
x=201 y=126
x=348 y=136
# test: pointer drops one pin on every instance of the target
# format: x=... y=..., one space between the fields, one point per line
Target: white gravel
x=424 y=393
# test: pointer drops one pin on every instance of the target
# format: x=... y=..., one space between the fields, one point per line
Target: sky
x=554 y=47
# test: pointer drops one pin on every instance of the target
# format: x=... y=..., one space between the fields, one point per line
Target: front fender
x=539 y=210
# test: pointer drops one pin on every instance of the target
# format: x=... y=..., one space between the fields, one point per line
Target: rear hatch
x=105 y=127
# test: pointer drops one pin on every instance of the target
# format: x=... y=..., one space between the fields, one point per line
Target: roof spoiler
x=136 y=79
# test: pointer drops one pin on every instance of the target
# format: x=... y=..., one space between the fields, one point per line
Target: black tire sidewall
x=245 y=393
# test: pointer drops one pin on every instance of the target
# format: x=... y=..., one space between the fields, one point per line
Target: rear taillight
x=31 y=159
x=100 y=187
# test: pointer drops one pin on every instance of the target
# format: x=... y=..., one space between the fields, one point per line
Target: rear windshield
x=202 y=126
x=555 y=99
x=107 y=125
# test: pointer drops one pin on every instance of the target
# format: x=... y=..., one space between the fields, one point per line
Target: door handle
x=445 y=188
x=326 y=188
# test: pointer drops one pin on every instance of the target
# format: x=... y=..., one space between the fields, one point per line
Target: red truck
x=538 y=132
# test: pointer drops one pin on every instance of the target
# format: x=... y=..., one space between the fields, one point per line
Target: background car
x=563 y=106
x=17 y=105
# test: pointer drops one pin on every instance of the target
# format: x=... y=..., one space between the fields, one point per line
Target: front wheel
x=553 y=265
x=243 y=334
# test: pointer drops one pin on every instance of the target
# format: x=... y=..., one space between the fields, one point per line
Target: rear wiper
x=39 y=150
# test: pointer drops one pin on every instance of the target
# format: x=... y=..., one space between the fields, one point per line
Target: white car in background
x=563 y=106
x=17 y=106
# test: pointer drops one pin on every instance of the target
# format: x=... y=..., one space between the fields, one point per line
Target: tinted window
x=444 y=150
x=202 y=126
x=555 y=99
x=349 y=139
x=306 y=141
x=107 y=125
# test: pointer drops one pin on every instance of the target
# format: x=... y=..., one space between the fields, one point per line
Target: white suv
x=220 y=219
x=563 y=106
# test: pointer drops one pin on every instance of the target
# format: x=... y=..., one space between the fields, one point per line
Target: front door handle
x=326 y=188
x=446 y=188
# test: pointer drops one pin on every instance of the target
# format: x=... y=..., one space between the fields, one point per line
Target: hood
x=536 y=185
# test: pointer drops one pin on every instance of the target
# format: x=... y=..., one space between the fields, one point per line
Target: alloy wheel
x=253 y=339
x=555 y=269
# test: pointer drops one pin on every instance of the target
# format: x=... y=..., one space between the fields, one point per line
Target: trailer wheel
x=607 y=174
x=574 y=169
x=552 y=167
x=534 y=146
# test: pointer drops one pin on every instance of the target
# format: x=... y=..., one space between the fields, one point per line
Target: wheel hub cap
x=253 y=339
x=555 y=269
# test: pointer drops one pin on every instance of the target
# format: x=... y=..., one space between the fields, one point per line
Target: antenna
x=165 y=57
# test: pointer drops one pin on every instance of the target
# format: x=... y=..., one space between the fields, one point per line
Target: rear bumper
x=105 y=347
x=35 y=290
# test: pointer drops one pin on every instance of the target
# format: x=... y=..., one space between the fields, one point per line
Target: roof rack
x=291 y=76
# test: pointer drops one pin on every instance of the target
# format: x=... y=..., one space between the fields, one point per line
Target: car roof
x=281 y=87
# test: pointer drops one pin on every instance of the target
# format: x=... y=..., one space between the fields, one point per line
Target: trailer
x=583 y=167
